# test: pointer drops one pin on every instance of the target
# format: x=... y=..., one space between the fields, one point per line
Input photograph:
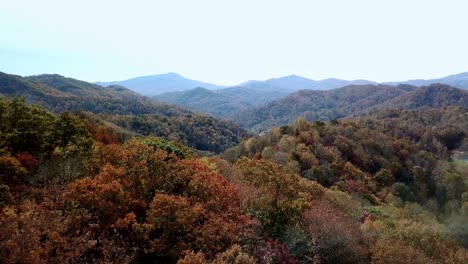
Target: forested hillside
x=350 y=101
x=57 y=94
x=429 y=128
x=364 y=191
x=410 y=159
x=224 y=103
x=197 y=131
x=436 y=95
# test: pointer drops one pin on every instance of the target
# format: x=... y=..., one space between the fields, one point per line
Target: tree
x=70 y=132
x=11 y=170
x=334 y=236
x=24 y=128
x=451 y=137
x=282 y=195
x=384 y=178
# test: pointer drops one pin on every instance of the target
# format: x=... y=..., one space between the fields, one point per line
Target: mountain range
x=226 y=102
x=154 y=85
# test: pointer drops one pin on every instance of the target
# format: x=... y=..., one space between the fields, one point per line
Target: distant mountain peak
x=174 y=74
x=291 y=76
x=294 y=76
x=151 y=85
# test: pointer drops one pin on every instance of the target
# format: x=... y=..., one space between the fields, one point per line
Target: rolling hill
x=224 y=102
x=204 y=100
x=161 y=83
x=347 y=102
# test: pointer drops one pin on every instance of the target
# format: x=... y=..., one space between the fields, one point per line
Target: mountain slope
x=162 y=83
x=204 y=100
x=458 y=80
x=255 y=93
x=225 y=102
x=135 y=112
x=435 y=95
x=428 y=127
x=58 y=93
x=315 y=105
x=349 y=101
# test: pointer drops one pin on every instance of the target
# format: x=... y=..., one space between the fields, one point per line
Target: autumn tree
x=166 y=206
x=282 y=196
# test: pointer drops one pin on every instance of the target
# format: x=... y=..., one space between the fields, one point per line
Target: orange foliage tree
x=172 y=205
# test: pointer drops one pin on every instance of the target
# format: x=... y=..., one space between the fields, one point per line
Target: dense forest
x=390 y=187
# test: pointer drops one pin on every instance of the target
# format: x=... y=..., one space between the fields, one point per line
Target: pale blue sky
x=228 y=42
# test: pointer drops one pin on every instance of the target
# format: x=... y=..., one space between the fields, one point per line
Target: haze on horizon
x=229 y=42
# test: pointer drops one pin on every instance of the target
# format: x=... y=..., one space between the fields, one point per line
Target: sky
x=229 y=42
